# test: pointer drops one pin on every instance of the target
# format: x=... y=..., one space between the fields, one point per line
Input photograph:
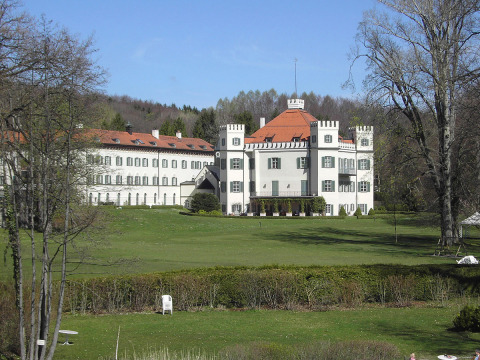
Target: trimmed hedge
x=274 y=287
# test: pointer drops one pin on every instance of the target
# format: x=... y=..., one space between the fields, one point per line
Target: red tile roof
x=142 y=140
x=286 y=126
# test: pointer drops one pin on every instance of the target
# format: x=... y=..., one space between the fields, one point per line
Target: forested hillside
x=246 y=106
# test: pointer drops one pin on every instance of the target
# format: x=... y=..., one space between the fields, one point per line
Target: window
x=268 y=139
x=99 y=179
x=145 y=162
x=164 y=163
x=129 y=199
x=145 y=180
x=223 y=186
x=363 y=208
x=99 y=198
x=89 y=159
x=2 y=180
x=328 y=185
x=108 y=160
x=118 y=161
x=364 y=142
x=304 y=187
x=108 y=179
x=174 y=164
x=328 y=162
x=137 y=180
x=296 y=139
x=164 y=199
x=329 y=209
x=119 y=180
x=137 y=162
x=165 y=180
x=174 y=181
x=274 y=163
x=236 y=208
x=236 y=186
x=223 y=164
x=314 y=139
x=275 y=191
x=144 y=198
x=155 y=198
x=223 y=142
x=137 y=197
x=155 y=180
x=236 y=163
x=99 y=160
x=184 y=164
x=302 y=163
x=155 y=163
x=364 y=186
x=118 y=199
x=205 y=163
x=328 y=138
x=107 y=197
x=198 y=165
x=129 y=180
x=129 y=161
x=236 y=141
x=192 y=165
x=364 y=164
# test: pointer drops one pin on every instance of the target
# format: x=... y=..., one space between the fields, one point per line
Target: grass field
x=420 y=330
x=162 y=240
x=149 y=240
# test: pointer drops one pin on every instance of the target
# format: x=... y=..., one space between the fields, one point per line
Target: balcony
x=347 y=171
x=280 y=194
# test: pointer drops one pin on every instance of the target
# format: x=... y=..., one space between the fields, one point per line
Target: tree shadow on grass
x=433 y=342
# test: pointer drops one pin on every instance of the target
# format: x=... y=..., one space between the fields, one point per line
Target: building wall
x=151 y=177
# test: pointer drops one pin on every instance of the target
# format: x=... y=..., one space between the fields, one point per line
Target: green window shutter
x=231 y=164
x=333 y=185
x=323 y=185
x=241 y=186
x=298 y=163
x=241 y=163
x=368 y=164
x=358 y=186
x=269 y=163
x=279 y=163
x=331 y=207
x=358 y=164
x=368 y=186
x=333 y=161
x=231 y=186
x=323 y=161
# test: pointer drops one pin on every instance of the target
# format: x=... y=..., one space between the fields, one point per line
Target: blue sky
x=196 y=52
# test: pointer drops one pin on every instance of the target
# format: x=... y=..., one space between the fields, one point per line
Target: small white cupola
x=296 y=104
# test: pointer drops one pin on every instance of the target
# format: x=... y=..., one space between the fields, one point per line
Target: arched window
x=118 y=199
x=107 y=199
x=99 y=200
x=145 y=199
x=137 y=198
x=90 y=197
x=187 y=204
x=155 y=198
x=173 y=198
x=129 y=199
x=164 y=199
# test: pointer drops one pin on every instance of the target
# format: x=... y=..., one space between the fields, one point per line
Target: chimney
x=128 y=128
x=156 y=133
x=262 y=122
x=178 y=134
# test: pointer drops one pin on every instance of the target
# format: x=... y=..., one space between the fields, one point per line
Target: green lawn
x=420 y=330
x=162 y=240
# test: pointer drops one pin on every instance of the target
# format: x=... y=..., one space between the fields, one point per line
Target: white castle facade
x=294 y=158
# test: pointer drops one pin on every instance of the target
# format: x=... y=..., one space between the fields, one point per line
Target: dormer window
x=203 y=147
x=140 y=141
x=172 y=145
x=153 y=143
x=135 y=142
x=296 y=139
x=116 y=140
x=268 y=139
x=191 y=146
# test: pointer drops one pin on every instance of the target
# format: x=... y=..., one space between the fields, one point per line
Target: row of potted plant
x=315 y=204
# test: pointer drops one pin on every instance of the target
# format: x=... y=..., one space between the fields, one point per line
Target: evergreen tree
x=117 y=123
x=246 y=118
x=179 y=125
x=206 y=126
x=167 y=128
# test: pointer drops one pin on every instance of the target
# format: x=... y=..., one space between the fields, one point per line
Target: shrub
x=342 y=211
x=358 y=212
x=468 y=319
x=205 y=201
x=317 y=204
x=371 y=212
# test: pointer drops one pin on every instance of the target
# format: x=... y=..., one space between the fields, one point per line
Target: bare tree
x=420 y=55
x=43 y=151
